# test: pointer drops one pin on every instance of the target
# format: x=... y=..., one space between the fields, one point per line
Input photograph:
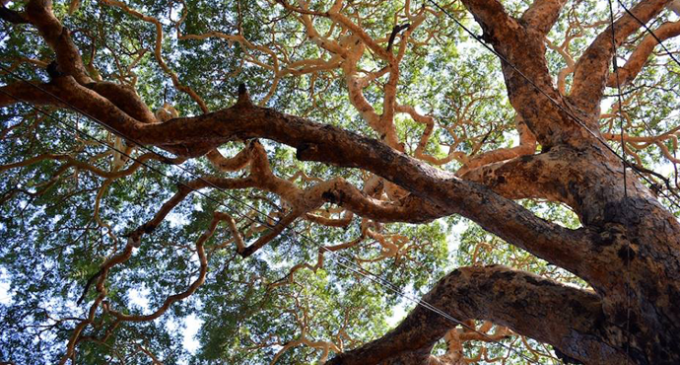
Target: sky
x=191 y=324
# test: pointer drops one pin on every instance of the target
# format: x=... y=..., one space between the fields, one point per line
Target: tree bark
x=628 y=248
x=570 y=319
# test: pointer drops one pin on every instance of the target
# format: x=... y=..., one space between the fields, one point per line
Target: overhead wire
x=578 y=121
x=551 y=99
x=361 y=270
x=339 y=260
x=615 y=67
x=651 y=32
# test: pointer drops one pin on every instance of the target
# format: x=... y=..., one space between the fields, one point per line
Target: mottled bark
x=39 y=14
x=570 y=319
x=638 y=58
x=592 y=69
x=588 y=179
x=628 y=248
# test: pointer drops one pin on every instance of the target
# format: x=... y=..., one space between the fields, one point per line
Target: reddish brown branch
x=325 y=143
x=637 y=60
x=592 y=68
x=518 y=300
x=12 y=16
x=542 y=15
x=39 y=13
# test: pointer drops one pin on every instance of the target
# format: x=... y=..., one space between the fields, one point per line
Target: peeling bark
x=628 y=248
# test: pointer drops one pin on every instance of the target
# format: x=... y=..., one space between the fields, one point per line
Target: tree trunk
x=628 y=248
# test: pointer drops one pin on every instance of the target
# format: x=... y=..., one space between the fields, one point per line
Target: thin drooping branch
x=158 y=49
x=411 y=209
x=70 y=161
x=526 y=147
x=520 y=301
x=203 y=262
x=458 y=337
x=119 y=258
x=238 y=162
x=183 y=191
x=101 y=276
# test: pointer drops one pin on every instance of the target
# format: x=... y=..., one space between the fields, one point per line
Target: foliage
x=59 y=222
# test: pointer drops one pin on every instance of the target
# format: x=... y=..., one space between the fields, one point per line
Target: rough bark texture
x=628 y=248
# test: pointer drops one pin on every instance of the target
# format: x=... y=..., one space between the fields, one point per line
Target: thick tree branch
x=499 y=27
x=592 y=68
x=520 y=301
x=126 y=99
x=324 y=143
x=513 y=41
x=530 y=176
x=542 y=15
x=121 y=97
x=39 y=13
x=12 y=16
x=21 y=92
x=637 y=60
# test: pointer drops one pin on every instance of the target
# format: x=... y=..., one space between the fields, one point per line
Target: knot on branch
x=54 y=71
x=243 y=96
x=332 y=197
x=306 y=151
x=135 y=238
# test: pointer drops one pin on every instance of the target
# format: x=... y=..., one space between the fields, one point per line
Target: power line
x=361 y=271
x=658 y=40
x=553 y=101
x=615 y=67
x=625 y=187
x=371 y=276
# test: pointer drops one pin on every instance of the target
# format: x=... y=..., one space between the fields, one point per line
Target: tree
x=293 y=141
